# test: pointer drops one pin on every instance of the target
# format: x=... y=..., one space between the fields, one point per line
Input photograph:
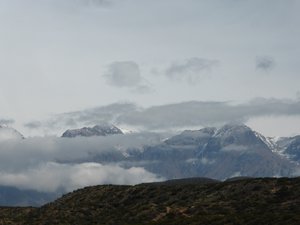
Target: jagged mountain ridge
x=98 y=130
x=232 y=150
x=219 y=153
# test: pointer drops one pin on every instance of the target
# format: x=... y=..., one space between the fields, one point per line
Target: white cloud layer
x=63 y=164
x=51 y=176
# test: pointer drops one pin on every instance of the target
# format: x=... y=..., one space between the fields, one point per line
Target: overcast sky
x=58 y=57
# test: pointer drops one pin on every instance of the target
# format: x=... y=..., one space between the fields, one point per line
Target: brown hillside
x=246 y=201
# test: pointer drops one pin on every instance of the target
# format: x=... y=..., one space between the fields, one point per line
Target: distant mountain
x=11 y=196
x=232 y=150
x=246 y=201
x=8 y=133
x=98 y=130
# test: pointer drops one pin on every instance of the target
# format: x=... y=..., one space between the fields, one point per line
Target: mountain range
x=219 y=153
x=233 y=150
x=204 y=145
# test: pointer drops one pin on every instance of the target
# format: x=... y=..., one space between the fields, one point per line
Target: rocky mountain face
x=193 y=201
x=289 y=147
x=98 y=130
x=232 y=150
x=219 y=153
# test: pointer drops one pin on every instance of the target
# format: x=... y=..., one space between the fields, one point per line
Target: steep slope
x=248 y=201
x=232 y=150
x=98 y=130
x=290 y=147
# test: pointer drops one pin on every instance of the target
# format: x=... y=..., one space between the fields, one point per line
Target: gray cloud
x=191 y=70
x=298 y=95
x=208 y=113
x=83 y=3
x=33 y=124
x=179 y=115
x=265 y=63
x=7 y=121
x=50 y=163
x=123 y=74
x=142 y=89
x=51 y=176
x=89 y=117
x=97 y=2
x=127 y=74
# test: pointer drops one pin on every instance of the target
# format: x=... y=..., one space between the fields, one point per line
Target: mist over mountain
x=57 y=165
x=232 y=150
x=8 y=133
x=130 y=112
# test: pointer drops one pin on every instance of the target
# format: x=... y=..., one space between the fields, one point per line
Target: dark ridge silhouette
x=188 y=201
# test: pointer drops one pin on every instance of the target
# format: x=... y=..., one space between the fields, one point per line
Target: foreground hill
x=195 y=201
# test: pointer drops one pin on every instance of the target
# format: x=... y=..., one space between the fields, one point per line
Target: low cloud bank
x=52 y=164
x=51 y=176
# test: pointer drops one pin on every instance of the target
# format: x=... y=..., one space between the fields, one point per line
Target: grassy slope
x=251 y=201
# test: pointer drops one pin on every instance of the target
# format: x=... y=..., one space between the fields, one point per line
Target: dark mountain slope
x=249 y=201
